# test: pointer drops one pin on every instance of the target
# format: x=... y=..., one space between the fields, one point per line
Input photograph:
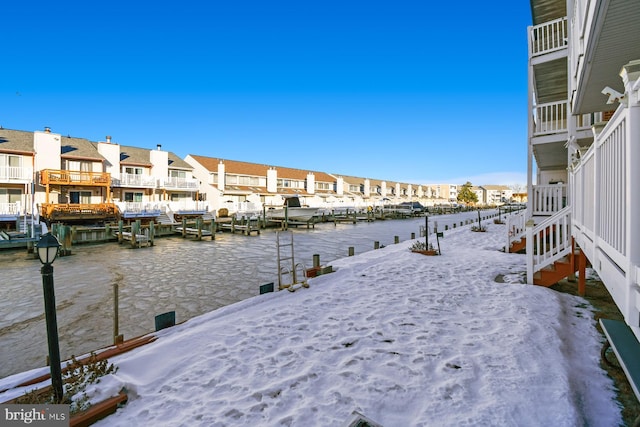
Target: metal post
x=426 y=232
x=52 y=331
x=116 y=320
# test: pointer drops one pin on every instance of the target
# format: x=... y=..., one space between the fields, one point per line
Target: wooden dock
x=198 y=233
x=243 y=225
x=137 y=240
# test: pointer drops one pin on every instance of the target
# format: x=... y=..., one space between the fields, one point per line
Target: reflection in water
x=176 y=274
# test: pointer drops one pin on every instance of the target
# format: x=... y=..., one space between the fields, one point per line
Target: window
x=10 y=195
x=323 y=186
x=177 y=174
x=132 y=197
x=80 y=197
x=77 y=165
x=132 y=170
x=10 y=166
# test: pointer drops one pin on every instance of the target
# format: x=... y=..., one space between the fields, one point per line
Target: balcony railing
x=63 y=177
x=10 y=209
x=548 y=199
x=134 y=180
x=173 y=183
x=13 y=173
x=551 y=118
x=548 y=37
x=185 y=206
x=140 y=209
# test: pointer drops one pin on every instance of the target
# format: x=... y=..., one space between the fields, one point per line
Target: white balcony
x=133 y=180
x=10 y=210
x=173 y=183
x=548 y=37
x=550 y=118
x=15 y=174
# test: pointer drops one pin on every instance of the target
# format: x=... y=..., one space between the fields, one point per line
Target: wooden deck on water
x=137 y=240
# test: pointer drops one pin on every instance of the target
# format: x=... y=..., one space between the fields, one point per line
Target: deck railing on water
x=548 y=37
x=548 y=242
x=188 y=206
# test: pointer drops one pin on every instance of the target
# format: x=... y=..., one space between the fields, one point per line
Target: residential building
x=69 y=179
x=17 y=158
x=583 y=133
x=495 y=195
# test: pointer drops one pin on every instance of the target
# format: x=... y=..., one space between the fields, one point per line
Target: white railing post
x=529 y=229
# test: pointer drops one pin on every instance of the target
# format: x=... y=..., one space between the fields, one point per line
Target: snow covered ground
x=406 y=339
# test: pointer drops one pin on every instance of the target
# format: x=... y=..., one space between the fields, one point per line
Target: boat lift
x=288 y=272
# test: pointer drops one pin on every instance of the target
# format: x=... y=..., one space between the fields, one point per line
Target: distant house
x=496 y=195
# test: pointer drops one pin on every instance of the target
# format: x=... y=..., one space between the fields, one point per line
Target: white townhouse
x=17 y=158
x=584 y=146
x=237 y=186
x=69 y=179
x=148 y=183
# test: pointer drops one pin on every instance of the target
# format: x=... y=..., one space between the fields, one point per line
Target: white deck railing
x=548 y=241
x=178 y=183
x=187 y=206
x=548 y=37
x=550 y=118
x=133 y=180
x=10 y=173
x=10 y=209
x=601 y=181
x=139 y=207
x=516 y=228
x=548 y=199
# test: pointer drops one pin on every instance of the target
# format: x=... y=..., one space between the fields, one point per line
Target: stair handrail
x=542 y=253
x=516 y=228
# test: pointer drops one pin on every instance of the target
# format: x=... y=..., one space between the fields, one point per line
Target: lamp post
x=48 y=246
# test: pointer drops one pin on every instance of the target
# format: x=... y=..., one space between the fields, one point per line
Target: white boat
x=292 y=210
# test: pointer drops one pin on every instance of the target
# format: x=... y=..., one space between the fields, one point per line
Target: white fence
x=516 y=228
x=548 y=242
x=601 y=181
x=548 y=199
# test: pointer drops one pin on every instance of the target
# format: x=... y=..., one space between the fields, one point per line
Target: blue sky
x=411 y=91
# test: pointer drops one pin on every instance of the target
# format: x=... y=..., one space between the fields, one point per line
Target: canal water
x=176 y=274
